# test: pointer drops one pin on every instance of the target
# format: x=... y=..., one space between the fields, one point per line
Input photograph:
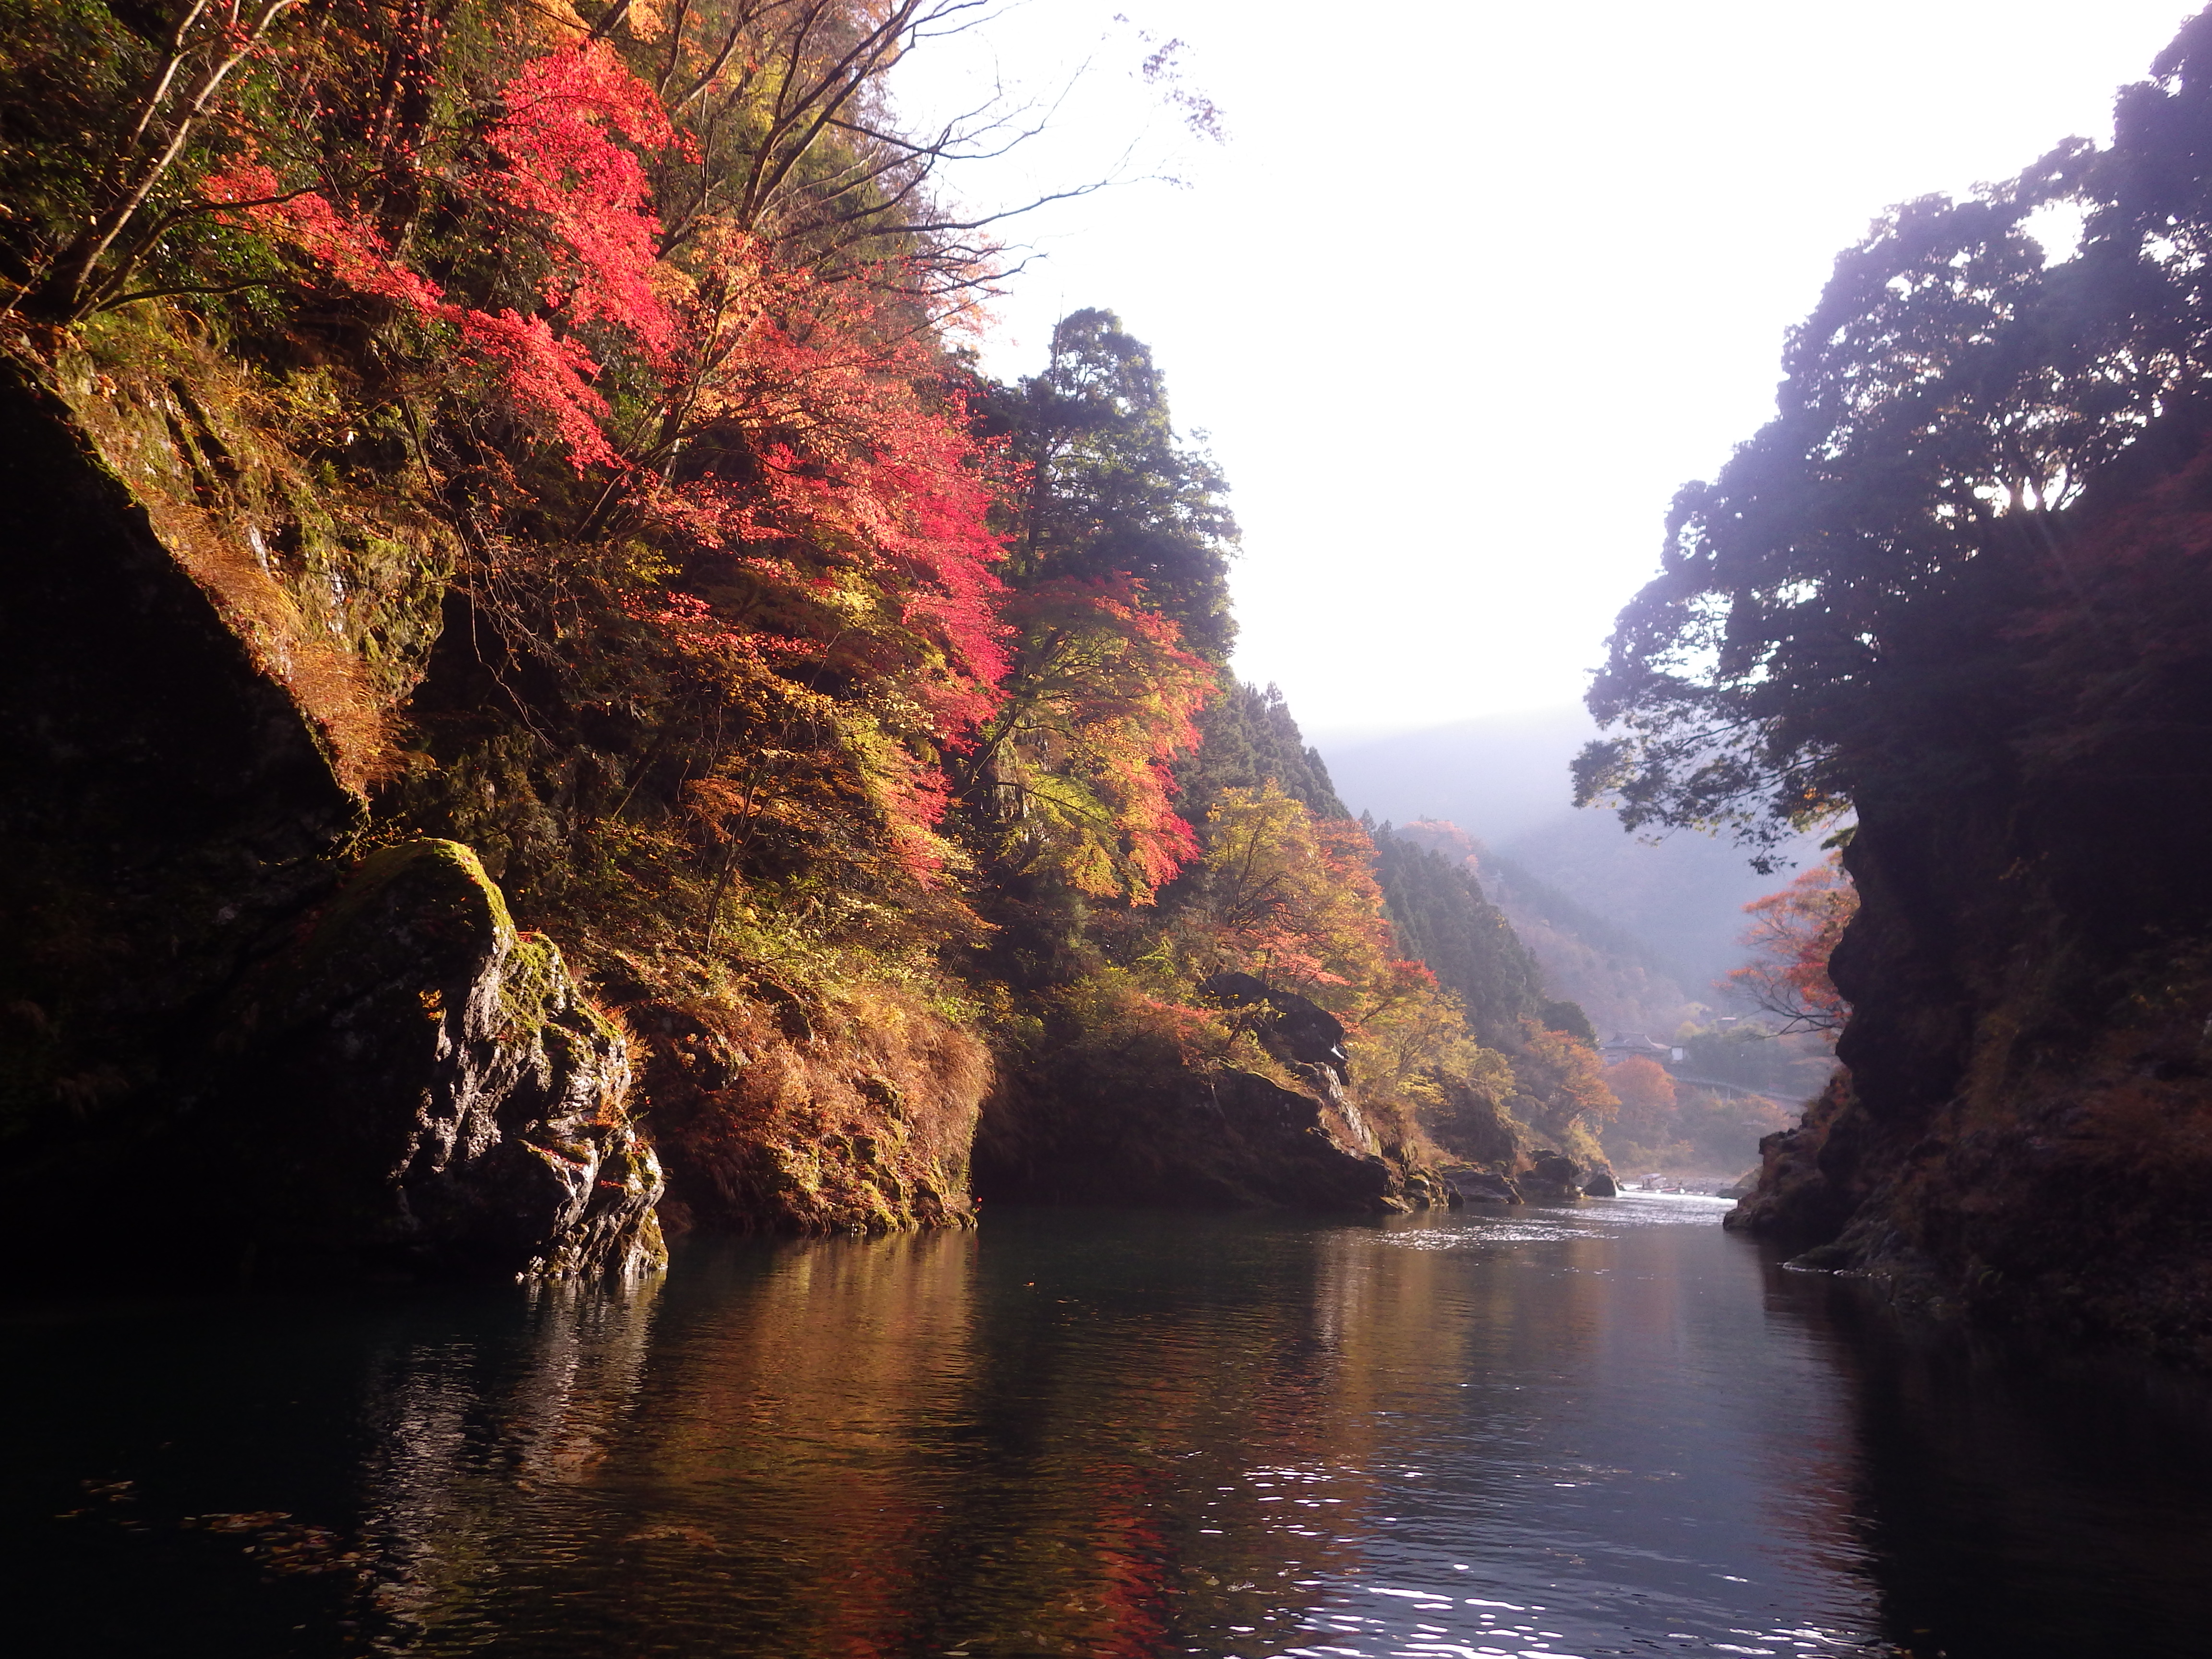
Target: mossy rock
x=430 y=1092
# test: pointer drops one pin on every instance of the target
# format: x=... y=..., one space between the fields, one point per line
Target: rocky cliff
x=1119 y=1101
x=228 y=1042
x=2027 y=1128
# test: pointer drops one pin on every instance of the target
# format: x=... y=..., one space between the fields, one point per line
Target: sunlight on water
x=1603 y=1430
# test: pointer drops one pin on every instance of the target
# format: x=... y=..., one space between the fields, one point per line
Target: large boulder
x=1227 y=1139
x=1551 y=1178
x=1297 y=1030
x=1484 y=1187
x=427 y=1092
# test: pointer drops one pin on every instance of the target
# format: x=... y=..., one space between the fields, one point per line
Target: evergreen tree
x=1112 y=491
x=1248 y=738
x=1443 y=919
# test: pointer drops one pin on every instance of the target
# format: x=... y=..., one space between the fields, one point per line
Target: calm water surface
x=1609 y=1430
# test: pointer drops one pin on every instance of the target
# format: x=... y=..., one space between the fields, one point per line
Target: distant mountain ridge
x=1620 y=982
x=1495 y=776
x=1637 y=933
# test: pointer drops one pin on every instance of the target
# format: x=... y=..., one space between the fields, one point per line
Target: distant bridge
x=1738 y=1088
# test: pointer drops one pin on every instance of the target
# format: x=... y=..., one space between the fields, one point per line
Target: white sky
x=1473 y=288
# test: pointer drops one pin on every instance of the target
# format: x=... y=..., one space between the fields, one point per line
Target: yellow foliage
x=1292 y=900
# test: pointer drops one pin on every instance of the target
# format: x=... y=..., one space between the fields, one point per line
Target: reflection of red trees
x=1134 y=1570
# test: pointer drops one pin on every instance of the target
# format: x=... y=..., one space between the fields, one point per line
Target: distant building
x=1625 y=1045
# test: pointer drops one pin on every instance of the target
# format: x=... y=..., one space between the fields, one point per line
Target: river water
x=1609 y=1429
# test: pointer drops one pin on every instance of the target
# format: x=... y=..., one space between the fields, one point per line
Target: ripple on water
x=1603 y=1431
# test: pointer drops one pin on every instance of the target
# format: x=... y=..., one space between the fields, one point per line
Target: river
x=1612 y=1429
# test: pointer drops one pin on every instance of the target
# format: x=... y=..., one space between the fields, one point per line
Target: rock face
x=1114 y=1110
x=2026 y=1130
x=1232 y=1140
x=209 y=1065
x=1299 y=1031
x=166 y=813
x=1551 y=1178
x=428 y=1092
x=1743 y=1186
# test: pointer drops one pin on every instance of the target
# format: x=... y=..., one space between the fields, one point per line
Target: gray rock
x=1484 y=1187
x=431 y=1093
x=1551 y=1178
x=1742 y=1187
x=1301 y=1031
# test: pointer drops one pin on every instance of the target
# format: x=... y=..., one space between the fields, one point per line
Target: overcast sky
x=1472 y=288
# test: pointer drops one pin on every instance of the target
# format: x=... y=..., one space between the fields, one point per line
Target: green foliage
x=1848 y=605
x=1250 y=740
x=1112 y=493
x=1441 y=918
x=1752 y=1056
x=1569 y=1020
x=1439 y=915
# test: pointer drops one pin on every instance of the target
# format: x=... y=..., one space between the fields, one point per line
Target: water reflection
x=1613 y=1430
x=471 y=1425
x=2012 y=1497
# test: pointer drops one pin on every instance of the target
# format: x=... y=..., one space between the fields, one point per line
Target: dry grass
x=854 y=1114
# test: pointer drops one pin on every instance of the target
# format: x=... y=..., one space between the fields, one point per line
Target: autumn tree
x=1792 y=935
x=1291 y=899
x=1822 y=620
x=1645 y=1090
x=1071 y=771
x=1564 y=1093
x=1116 y=547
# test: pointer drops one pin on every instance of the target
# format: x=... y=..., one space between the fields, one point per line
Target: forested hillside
x=546 y=697
x=1956 y=592
x=1638 y=929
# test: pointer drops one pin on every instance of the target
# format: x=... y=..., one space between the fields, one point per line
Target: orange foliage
x=1293 y=900
x=1646 y=1092
x=1101 y=697
x=1569 y=1096
x=1793 y=934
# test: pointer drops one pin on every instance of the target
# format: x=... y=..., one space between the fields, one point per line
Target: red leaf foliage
x=1792 y=935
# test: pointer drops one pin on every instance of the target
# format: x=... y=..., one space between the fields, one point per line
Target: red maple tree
x=1792 y=935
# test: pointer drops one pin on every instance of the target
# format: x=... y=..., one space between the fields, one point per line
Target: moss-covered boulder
x=424 y=1089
